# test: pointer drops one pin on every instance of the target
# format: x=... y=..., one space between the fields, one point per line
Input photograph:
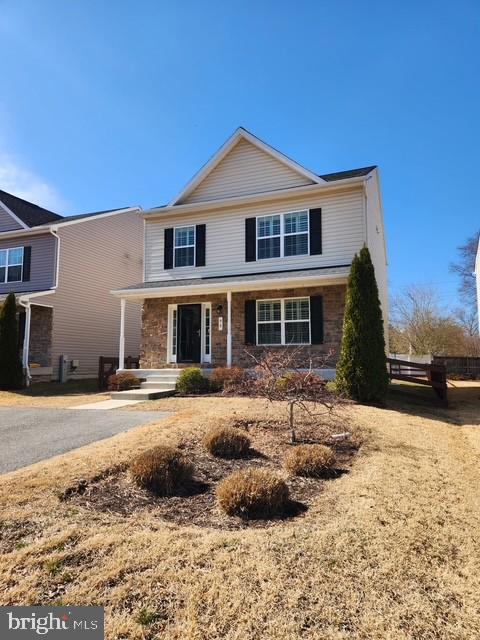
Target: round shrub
x=228 y=378
x=252 y=493
x=191 y=380
x=161 y=469
x=227 y=442
x=122 y=381
x=310 y=460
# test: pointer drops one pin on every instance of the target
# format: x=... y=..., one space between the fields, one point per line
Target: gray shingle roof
x=30 y=214
x=243 y=277
x=351 y=173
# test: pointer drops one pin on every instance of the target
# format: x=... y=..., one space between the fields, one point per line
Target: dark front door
x=188 y=332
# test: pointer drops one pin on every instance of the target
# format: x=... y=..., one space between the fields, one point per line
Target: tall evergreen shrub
x=362 y=367
x=11 y=370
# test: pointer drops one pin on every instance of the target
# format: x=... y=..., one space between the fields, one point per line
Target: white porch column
x=229 y=328
x=121 y=349
x=26 y=340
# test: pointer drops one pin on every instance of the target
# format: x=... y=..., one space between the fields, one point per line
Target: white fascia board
x=217 y=157
x=278 y=194
x=21 y=233
x=26 y=297
x=67 y=222
x=252 y=285
x=16 y=218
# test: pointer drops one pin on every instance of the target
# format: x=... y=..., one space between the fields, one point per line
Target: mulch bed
x=116 y=494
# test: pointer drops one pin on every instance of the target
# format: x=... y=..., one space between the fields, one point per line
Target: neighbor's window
x=283 y=322
x=282 y=235
x=11 y=265
x=184 y=247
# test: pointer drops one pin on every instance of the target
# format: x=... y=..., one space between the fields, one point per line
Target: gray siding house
x=61 y=270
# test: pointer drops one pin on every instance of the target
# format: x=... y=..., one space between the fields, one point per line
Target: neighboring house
x=254 y=253
x=61 y=270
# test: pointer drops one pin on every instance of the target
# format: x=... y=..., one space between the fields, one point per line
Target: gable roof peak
x=242 y=133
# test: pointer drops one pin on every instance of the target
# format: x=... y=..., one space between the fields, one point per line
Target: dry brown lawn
x=389 y=550
x=54 y=395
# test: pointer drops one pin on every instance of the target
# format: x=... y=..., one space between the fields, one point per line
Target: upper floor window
x=11 y=265
x=184 y=246
x=283 y=235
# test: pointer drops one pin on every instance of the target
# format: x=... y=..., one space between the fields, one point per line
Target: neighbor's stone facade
x=153 y=350
x=41 y=326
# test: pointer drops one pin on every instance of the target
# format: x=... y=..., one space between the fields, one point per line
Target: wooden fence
x=461 y=367
x=432 y=375
x=108 y=366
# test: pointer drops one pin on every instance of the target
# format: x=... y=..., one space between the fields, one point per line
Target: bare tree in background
x=417 y=318
x=464 y=268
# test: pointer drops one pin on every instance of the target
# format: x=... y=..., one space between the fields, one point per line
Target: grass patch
x=388 y=550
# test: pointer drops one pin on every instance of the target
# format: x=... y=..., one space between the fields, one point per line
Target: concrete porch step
x=158 y=378
x=161 y=385
x=142 y=394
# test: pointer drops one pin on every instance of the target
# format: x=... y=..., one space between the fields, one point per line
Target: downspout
x=26 y=339
x=53 y=231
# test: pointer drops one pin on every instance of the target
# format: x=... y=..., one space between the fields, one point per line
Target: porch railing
x=108 y=366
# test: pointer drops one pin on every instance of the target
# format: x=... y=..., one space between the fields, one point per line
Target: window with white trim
x=11 y=265
x=208 y=313
x=283 y=322
x=283 y=235
x=184 y=246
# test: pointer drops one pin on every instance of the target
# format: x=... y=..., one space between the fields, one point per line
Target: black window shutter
x=200 y=233
x=315 y=232
x=316 y=319
x=27 y=261
x=250 y=239
x=250 y=321
x=168 y=249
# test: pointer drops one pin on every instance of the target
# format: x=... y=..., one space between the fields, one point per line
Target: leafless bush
x=286 y=375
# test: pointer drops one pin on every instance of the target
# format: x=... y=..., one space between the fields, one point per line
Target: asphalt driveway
x=30 y=435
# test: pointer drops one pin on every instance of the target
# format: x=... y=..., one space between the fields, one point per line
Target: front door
x=189 y=325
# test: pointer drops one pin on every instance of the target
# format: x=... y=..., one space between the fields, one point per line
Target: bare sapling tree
x=281 y=376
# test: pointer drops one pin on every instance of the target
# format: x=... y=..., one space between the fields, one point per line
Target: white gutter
x=255 y=197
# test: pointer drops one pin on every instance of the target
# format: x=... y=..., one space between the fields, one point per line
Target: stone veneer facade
x=153 y=350
x=41 y=325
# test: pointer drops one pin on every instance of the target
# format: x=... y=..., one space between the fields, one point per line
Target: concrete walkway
x=105 y=405
x=28 y=435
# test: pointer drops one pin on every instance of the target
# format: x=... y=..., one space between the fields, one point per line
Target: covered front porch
x=35 y=328
x=224 y=321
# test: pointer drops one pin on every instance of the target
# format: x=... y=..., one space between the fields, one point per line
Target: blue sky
x=109 y=104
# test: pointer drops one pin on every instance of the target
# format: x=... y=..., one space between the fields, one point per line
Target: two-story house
x=254 y=253
x=61 y=270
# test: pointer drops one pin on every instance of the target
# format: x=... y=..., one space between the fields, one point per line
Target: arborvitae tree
x=11 y=370
x=362 y=368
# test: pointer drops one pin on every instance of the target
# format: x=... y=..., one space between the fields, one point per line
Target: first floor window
x=11 y=265
x=283 y=322
x=174 y=332
x=207 y=330
x=184 y=247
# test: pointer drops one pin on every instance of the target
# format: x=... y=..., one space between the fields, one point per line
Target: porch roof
x=237 y=282
x=26 y=296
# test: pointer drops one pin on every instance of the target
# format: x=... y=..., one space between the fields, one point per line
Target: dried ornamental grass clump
x=252 y=493
x=310 y=460
x=164 y=470
x=227 y=442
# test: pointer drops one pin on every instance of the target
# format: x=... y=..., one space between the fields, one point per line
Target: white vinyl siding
x=42 y=267
x=246 y=169
x=96 y=256
x=343 y=234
